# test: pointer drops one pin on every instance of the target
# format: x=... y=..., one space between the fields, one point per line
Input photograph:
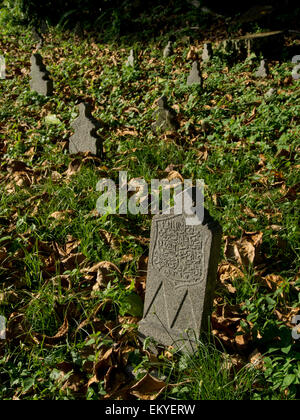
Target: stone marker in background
x=40 y=81
x=270 y=94
x=207 y=53
x=262 y=70
x=85 y=138
x=130 y=59
x=195 y=75
x=165 y=117
x=2 y=68
x=168 y=51
x=181 y=278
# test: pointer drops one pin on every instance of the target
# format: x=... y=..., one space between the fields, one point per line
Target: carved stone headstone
x=262 y=70
x=181 y=278
x=207 y=53
x=165 y=117
x=85 y=138
x=168 y=51
x=40 y=81
x=195 y=75
x=130 y=59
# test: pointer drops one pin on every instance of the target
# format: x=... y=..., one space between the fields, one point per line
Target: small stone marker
x=40 y=81
x=270 y=94
x=165 y=116
x=181 y=279
x=195 y=76
x=130 y=59
x=262 y=70
x=227 y=46
x=85 y=138
x=207 y=53
x=168 y=51
x=2 y=68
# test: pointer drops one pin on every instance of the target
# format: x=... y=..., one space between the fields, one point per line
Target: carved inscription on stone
x=178 y=252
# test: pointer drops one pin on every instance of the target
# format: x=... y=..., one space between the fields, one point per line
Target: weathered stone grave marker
x=40 y=81
x=168 y=51
x=195 y=76
x=270 y=94
x=85 y=138
x=130 y=59
x=165 y=117
x=262 y=70
x=181 y=280
x=2 y=68
x=207 y=53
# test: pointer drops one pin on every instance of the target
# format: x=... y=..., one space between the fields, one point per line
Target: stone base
x=183 y=342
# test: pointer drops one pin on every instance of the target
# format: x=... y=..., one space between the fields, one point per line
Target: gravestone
x=85 y=138
x=207 y=53
x=262 y=71
x=270 y=94
x=195 y=76
x=165 y=117
x=130 y=59
x=168 y=51
x=2 y=68
x=181 y=279
x=40 y=81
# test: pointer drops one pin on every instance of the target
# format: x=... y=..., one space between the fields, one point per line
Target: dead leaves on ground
x=244 y=251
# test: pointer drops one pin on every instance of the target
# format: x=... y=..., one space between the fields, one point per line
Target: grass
x=249 y=160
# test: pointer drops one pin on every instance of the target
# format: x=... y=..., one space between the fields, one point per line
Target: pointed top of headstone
x=195 y=76
x=130 y=59
x=162 y=102
x=85 y=138
x=207 y=53
x=262 y=70
x=168 y=51
x=40 y=81
x=165 y=116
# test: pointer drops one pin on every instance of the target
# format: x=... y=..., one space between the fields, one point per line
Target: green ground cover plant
x=72 y=283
